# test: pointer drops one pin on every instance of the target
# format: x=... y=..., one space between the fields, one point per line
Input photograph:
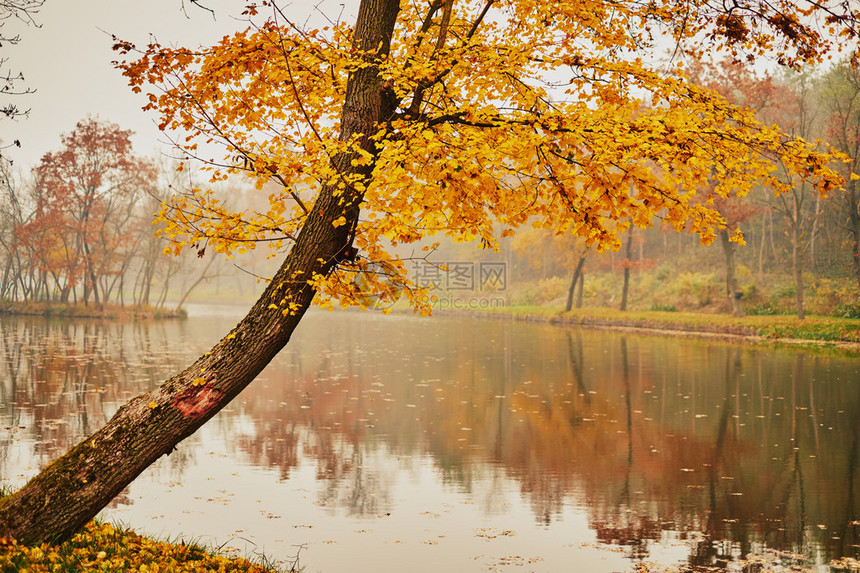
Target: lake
x=451 y=444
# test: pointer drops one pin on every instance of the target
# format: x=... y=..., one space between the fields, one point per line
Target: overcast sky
x=67 y=60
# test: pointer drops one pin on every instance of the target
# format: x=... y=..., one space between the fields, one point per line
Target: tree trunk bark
x=761 y=249
x=854 y=220
x=580 y=289
x=813 y=265
x=798 y=270
x=573 y=282
x=73 y=489
x=626 y=286
x=774 y=252
x=148 y=271
x=91 y=274
x=732 y=290
x=162 y=296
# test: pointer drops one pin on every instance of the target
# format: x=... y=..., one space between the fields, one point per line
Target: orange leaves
x=502 y=114
x=732 y=27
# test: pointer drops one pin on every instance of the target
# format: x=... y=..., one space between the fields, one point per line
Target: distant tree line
x=79 y=229
x=797 y=234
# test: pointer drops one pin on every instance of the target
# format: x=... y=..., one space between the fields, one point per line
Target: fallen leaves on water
x=845 y=564
x=513 y=561
x=492 y=532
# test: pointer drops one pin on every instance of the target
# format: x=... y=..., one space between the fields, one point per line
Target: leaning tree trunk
x=73 y=489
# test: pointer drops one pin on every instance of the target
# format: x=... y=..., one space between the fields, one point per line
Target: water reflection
x=726 y=449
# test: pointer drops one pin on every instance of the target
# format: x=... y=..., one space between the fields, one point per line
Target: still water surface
x=457 y=445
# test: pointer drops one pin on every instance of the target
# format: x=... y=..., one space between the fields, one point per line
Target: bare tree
x=797 y=203
x=11 y=82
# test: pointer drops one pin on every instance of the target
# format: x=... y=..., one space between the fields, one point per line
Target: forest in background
x=799 y=253
x=78 y=229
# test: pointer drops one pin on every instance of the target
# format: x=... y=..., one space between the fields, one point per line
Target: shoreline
x=109 y=312
x=826 y=332
x=732 y=331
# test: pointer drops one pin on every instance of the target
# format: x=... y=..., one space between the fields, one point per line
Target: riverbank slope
x=812 y=330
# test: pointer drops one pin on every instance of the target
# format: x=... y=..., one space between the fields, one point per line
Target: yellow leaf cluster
x=102 y=547
x=505 y=113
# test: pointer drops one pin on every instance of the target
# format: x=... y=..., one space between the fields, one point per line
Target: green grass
x=812 y=328
x=103 y=547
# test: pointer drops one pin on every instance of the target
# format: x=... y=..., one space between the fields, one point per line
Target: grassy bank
x=92 y=311
x=103 y=547
x=771 y=327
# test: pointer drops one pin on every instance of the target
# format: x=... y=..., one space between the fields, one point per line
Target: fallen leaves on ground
x=103 y=547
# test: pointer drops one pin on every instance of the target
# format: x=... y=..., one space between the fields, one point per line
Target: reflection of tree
x=649 y=435
x=625 y=528
x=364 y=494
x=63 y=379
x=794 y=490
x=321 y=414
x=720 y=511
x=273 y=444
x=848 y=533
x=662 y=435
x=577 y=361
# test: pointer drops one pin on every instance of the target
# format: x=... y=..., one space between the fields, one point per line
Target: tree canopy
x=11 y=81
x=498 y=114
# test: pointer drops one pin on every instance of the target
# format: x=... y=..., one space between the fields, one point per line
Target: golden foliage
x=102 y=547
x=505 y=112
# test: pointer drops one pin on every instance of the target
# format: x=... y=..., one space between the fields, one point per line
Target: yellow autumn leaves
x=505 y=114
x=102 y=547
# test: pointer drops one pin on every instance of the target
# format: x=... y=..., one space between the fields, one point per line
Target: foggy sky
x=67 y=60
